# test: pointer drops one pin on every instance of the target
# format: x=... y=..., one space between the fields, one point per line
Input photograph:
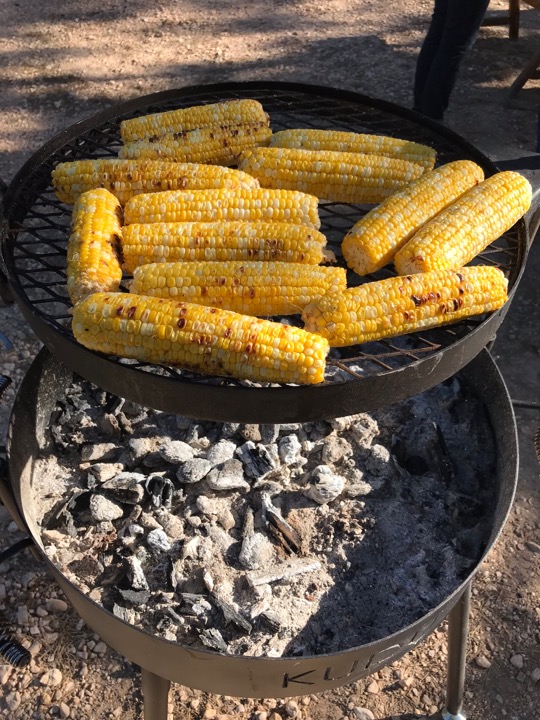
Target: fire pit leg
x=155 y=690
x=458 y=628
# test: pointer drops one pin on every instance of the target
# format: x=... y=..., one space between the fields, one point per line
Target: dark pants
x=452 y=32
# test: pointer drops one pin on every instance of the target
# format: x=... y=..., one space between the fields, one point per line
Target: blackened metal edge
x=246 y=676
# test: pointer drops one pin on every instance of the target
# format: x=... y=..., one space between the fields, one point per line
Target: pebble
x=102 y=508
x=56 y=605
x=13 y=700
x=517 y=661
x=483 y=662
x=2 y=592
x=532 y=546
x=194 y=470
x=52 y=678
x=373 y=688
x=158 y=540
x=221 y=452
x=535 y=675
x=23 y=617
x=93 y=452
x=64 y=710
x=5 y=672
x=176 y=452
x=325 y=485
x=228 y=476
x=362 y=713
x=290 y=449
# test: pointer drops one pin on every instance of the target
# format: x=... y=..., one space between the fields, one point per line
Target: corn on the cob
x=259 y=204
x=222 y=114
x=253 y=288
x=313 y=139
x=400 y=305
x=459 y=233
x=125 y=178
x=207 y=340
x=93 y=251
x=328 y=174
x=171 y=242
x=215 y=145
x=374 y=240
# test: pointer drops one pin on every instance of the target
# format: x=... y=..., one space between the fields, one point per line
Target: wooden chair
x=512 y=19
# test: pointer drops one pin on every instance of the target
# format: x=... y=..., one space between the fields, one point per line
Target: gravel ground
x=64 y=61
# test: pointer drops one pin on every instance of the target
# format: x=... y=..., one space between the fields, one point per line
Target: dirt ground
x=62 y=62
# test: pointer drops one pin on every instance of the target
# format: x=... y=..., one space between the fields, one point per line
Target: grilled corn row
x=400 y=305
x=125 y=178
x=207 y=340
x=373 y=241
x=232 y=112
x=93 y=249
x=468 y=226
x=215 y=145
x=334 y=176
x=171 y=242
x=254 y=288
x=312 y=139
x=259 y=204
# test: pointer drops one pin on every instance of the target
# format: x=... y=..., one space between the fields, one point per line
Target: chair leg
x=155 y=690
x=513 y=20
x=528 y=72
x=458 y=630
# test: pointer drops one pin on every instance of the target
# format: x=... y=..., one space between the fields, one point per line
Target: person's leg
x=428 y=51
x=463 y=21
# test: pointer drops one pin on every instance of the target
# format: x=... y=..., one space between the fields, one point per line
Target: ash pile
x=267 y=540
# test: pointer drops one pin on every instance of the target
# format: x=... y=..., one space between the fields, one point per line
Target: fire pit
x=360 y=380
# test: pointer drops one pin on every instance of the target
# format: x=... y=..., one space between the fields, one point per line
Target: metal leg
x=458 y=628
x=155 y=690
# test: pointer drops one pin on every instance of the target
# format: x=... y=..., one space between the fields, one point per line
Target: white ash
x=267 y=540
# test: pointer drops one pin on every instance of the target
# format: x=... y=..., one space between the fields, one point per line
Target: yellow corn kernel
x=216 y=145
x=400 y=305
x=465 y=228
x=264 y=241
x=203 y=339
x=342 y=141
x=221 y=114
x=334 y=176
x=374 y=240
x=93 y=249
x=125 y=178
x=253 y=288
x=259 y=204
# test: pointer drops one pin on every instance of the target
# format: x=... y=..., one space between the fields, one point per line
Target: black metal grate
x=38 y=224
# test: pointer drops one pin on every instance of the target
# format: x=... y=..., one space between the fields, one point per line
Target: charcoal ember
x=213 y=639
x=167 y=628
x=250 y=432
x=281 y=530
x=176 y=452
x=378 y=461
x=193 y=604
x=160 y=490
x=176 y=577
x=221 y=452
x=290 y=450
x=109 y=425
x=227 y=476
x=86 y=567
x=153 y=461
x=103 y=508
x=135 y=573
x=64 y=513
x=325 y=486
x=364 y=429
x=335 y=448
x=126 y=614
x=137 y=598
x=229 y=429
x=256 y=460
x=174 y=616
x=100 y=472
x=271 y=619
x=130 y=532
x=141 y=447
x=158 y=540
x=194 y=470
x=269 y=433
x=255 y=552
x=100 y=452
x=126 y=487
x=231 y=614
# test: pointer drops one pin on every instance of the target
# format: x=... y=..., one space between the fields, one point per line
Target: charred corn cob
x=222 y=114
x=459 y=233
x=259 y=204
x=373 y=241
x=207 y=340
x=125 y=178
x=401 y=305
x=216 y=145
x=93 y=249
x=170 y=242
x=334 y=176
x=253 y=288
x=312 y=139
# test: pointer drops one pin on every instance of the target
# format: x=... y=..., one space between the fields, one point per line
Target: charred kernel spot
x=249 y=348
x=401 y=289
x=432 y=295
x=183 y=309
x=458 y=302
x=302 y=257
x=204 y=291
x=222 y=281
x=132 y=310
x=119 y=311
x=443 y=309
x=438 y=295
x=211 y=136
x=213 y=310
x=460 y=276
x=406 y=315
x=183 y=182
x=227 y=333
x=250 y=252
x=461 y=290
x=416 y=300
x=251 y=292
x=236 y=281
x=129 y=176
x=182 y=323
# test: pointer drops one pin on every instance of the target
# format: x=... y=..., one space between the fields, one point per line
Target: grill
x=34 y=236
x=360 y=378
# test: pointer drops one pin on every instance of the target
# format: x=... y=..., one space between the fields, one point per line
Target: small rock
x=290 y=449
x=325 y=485
x=102 y=509
x=221 y=452
x=52 y=678
x=535 y=675
x=173 y=525
x=64 y=710
x=256 y=459
x=5 y=672
x=335 y=448
x=250 y=432
x=2 y=592
x=521 y=677
x=56 y=605
x=158 y=540
x=194 y=470
x=176 y=452
x=99 y=452
x=13 y=700
x=100 y=648
x=23 y=616
x=483 y=662
x=102 y=472
x=362 y=713
x=228 y=476
x=517 y=661
x=373 y=688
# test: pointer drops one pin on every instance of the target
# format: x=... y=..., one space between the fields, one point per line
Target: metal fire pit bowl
x=163 y=661
x=36 y=228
